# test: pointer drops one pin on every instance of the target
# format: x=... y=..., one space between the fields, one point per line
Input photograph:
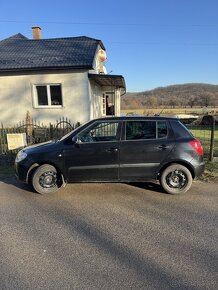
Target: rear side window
x=161 y=129
x=180 y=131
x=145 y=130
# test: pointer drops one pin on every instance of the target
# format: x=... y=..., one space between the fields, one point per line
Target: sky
x=152 y=43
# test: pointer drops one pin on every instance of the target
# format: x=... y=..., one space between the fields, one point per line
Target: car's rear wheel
x=45 y=179
x=176 y=179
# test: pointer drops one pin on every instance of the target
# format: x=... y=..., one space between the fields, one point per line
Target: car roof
x=137 y=118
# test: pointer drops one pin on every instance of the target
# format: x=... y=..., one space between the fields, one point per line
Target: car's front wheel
x=176 y=179
x=45 y=179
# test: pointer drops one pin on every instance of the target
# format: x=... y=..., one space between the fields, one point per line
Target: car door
x=145 y=145
x=94 y=154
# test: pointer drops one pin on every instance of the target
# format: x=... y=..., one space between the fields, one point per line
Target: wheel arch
x=186 y=164
x=34 y=166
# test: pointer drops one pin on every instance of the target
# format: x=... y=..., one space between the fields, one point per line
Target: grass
x=212 y=167
x=170 y=111
x=204 y=135
x=6 y=171
x=211 y=171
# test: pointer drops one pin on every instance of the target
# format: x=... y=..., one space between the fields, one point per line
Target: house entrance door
x=109 y=104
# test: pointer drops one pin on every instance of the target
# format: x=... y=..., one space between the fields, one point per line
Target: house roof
x=18 y=53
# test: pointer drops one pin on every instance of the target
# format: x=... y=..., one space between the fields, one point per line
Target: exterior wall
x=118 y=100
x=96 y=101
x=98 y=64
x=16 y=97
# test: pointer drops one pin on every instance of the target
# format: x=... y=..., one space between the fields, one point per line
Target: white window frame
x=35 y=96
x=103 y=103
x=103 y=106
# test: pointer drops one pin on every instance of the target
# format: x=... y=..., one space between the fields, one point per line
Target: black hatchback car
x=116 y=149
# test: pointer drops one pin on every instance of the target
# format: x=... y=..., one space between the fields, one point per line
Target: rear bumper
x=199 y=169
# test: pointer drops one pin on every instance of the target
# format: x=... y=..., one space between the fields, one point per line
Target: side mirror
x=75 y=140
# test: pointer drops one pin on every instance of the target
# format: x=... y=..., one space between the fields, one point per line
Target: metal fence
x=207 y=132
x=35 y=132
x=208 y=135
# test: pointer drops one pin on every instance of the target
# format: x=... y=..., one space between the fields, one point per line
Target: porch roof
x=108 y=80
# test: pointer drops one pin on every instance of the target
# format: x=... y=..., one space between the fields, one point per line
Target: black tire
x=45 y=179
x=176 y=179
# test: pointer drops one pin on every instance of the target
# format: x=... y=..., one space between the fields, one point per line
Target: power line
x=163 y=44
x=109 y=24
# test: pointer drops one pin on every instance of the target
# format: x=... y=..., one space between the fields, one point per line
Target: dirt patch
x=209 y=177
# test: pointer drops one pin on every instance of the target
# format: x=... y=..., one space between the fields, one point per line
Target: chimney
x=36 y=32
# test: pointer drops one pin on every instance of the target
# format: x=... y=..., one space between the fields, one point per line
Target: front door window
x=100 y=132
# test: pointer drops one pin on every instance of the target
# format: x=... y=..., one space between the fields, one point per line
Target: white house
x=52 y=78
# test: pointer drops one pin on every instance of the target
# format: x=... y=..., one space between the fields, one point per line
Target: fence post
x=1 y=138
x=51 y=130
x=212 y=138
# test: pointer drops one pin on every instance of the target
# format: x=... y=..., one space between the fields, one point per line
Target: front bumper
x=23 y=169
x=20 y=171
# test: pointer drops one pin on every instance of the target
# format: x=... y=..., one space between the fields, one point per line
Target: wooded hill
x=185 y=95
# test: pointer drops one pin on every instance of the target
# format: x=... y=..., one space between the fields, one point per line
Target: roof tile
x=20 y=53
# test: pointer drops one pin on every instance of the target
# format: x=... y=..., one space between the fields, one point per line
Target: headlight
x=20 y=156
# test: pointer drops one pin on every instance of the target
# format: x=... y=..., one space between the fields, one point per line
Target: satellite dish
x=102 y=55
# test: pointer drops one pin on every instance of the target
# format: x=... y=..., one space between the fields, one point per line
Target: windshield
x=67 y=135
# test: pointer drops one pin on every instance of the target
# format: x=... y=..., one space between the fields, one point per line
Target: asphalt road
x=108 y=236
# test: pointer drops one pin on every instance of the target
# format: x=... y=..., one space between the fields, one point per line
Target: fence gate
x=62 y=128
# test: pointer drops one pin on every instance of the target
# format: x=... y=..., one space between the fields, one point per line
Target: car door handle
x=163 y=147
x=112 y=150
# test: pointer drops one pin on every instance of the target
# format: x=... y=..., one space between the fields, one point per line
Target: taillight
x=196 y=145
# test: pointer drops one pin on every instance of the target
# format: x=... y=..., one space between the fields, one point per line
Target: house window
x=48 y=95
